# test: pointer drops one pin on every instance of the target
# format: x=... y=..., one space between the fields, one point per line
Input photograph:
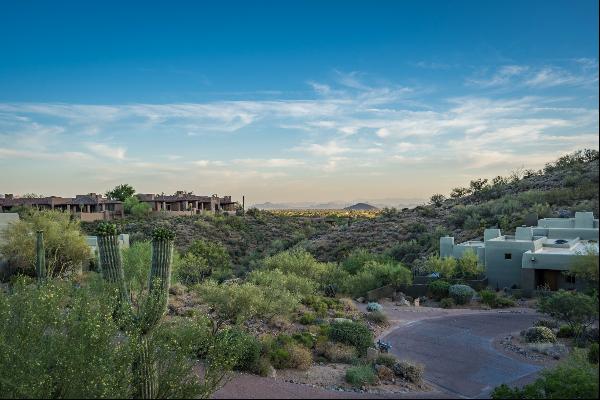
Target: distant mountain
x=361 y=207
x=338 y=205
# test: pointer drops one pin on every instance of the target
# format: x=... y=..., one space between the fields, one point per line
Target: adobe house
x=535 y=256
x=89 y=207
x=182 y=203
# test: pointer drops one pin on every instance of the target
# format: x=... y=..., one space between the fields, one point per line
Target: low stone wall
x=419 y=287
x=173 y=213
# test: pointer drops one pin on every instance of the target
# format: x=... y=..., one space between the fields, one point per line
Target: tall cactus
x=111 y=263
x=155 y=304
x=40 y=257
x=159 y=280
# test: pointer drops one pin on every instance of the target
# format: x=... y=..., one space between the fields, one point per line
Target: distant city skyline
x=291 y=102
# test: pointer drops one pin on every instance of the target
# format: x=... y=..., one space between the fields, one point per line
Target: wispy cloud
x=107 y=151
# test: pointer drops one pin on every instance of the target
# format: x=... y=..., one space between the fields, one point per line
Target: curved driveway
x=457 y=350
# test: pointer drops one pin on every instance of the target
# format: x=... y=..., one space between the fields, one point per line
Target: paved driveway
x=457 y=350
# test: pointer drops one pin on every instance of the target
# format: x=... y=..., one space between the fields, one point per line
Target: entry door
x=551 y=278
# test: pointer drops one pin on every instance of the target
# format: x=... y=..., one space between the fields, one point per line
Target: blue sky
x=285 y=101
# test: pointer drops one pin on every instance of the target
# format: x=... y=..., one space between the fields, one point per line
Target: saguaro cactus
x=155 y=304
x=40 y=256
x=111 y=263
x=159 y=280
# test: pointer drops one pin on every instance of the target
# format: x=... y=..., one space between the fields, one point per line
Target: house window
x=508 y=256
x=570 y=279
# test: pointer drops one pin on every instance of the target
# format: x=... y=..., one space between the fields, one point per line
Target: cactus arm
x=40 y=257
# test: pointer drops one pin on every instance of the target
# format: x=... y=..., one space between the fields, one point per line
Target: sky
x=291 y=101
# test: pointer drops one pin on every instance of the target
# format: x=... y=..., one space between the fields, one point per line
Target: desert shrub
x=308 y=318
x=565 y=331
x=132 y=205
x=377 y=317
x=330 y=290
x=462 y=294
x=357 y=259
x=65 y=247
x=539 y=334
x=409 y=371
x=376 y=274
x=298 y=262
x=291 y=356
x=447 y=303
x=374 y=307
x=576 y=309
x=503 y=302
x=352 y=333
x=216 y=256
x=573 y=378
x=386 y=359
x=300 y=357
x=405 y=252
x=250 y=348
x=488 y=297
x=468 y=266
x=306 y=339
x=444 y=266
x=339 y=353
x=492 y=299
x=593 y=353
x=72 y=326
x=548 y=323
x=192 y=269
x=361 y=375
x=439 y=289
x=277 y=279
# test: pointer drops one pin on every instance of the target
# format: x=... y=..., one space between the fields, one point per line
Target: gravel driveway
x=457 y=350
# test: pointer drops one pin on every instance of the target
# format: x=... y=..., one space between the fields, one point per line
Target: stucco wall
x=501 y=272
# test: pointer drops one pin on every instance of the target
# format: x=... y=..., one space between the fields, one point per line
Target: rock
x=360 y=300
x=403 y=303
x=417 y=302
x=372 y=354
x=340 y=320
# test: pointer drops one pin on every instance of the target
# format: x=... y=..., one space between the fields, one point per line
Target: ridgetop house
x=533 y=257
x=94 y=207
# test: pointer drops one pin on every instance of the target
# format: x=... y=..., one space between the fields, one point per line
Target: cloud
x=269 y=163
x=328 y=149
x=106 y=151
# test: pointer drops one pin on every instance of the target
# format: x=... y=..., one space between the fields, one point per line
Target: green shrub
x=439 y=289
x=504 y=302
x=280 y=358
x=593 y=353
x=192 y=269
x=576 y=309
x=65 y=247
x=574 y=378
x=374 y=307
x=305 y=338
x=461 y=294
x=489 y=297
x=548 y=323
x=409 y=371
x=386 y=359
x=447 y=303
x=216 y=256
x=377 y=317
x=361 y=375
x=352 y=333
x=565 y=331
x=308 y=318
x=539 y=334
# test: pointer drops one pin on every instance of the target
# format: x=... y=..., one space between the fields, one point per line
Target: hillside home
x=88 y=207
x=183 y=203
x=535 y=256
